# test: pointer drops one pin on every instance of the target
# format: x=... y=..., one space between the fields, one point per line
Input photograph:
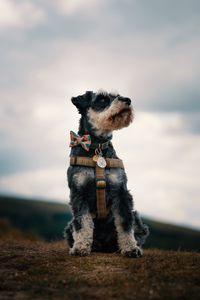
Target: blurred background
x=146 y=50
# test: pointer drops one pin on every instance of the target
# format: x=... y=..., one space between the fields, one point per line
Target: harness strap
x=101 y=193
x=88 y=162
x=102 y=210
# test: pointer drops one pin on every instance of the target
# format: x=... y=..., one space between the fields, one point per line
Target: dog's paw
x=135 y=252
x=79 y=251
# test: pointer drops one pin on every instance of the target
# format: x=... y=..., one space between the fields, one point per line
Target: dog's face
x=104 y=112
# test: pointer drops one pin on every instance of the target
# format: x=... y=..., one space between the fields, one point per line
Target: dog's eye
x=104 y=101
x=100 y=102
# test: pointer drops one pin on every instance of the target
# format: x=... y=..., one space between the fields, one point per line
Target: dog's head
x=104 y=112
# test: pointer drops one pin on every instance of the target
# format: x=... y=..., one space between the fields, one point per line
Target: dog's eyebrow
x=102 y=93
x=114 y=94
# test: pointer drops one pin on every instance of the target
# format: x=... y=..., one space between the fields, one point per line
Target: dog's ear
x=82 y=102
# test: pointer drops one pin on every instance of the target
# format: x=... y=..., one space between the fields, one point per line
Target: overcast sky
x=148 y=50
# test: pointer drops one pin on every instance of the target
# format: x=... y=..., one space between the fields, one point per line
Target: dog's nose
x=125 y=99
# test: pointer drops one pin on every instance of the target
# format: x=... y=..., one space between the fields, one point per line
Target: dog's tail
x=141 y=230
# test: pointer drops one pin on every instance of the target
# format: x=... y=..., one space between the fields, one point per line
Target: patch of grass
x=41 y=270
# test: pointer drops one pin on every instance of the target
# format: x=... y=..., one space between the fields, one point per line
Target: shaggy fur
x=123 y=229
x=117 y=116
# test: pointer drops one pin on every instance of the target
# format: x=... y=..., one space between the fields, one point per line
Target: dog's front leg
x=83 y=227
x=123 y=218
x=126 y=240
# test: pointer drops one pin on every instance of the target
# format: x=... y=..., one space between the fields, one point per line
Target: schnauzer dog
x=120 y=228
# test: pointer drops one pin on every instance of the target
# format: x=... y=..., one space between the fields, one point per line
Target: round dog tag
x=95 y=158
x=101 y=162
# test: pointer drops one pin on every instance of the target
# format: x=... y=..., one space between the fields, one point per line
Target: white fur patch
x=83 y=177
x=83 y=238
x=102 y=92
x=114 y=176
x=126 y=240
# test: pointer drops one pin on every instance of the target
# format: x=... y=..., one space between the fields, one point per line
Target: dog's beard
x=117 y=116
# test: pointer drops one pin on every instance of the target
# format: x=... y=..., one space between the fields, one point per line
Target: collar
x=101 y=146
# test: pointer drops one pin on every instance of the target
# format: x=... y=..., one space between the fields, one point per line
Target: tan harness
x=102 y=210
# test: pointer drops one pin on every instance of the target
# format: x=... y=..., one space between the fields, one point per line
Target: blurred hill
x=44 y=219
x=48 y=219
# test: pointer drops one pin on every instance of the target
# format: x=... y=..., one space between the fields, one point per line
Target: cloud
x=72 y=7
x=34 y=183
x=192 y=122
x=22 y=14
x=154 y=77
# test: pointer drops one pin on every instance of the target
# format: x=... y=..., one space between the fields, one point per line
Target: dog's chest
x=87 y=175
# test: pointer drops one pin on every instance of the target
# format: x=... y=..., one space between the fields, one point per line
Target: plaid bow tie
x=84 y=141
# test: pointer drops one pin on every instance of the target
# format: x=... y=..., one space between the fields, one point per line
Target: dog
x=118 y=228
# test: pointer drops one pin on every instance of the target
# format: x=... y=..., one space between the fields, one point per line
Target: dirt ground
x=40 y=270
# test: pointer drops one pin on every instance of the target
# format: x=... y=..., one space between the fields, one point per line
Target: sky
x=146 y=50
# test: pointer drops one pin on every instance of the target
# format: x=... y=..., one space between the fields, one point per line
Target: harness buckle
x=100 y=184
